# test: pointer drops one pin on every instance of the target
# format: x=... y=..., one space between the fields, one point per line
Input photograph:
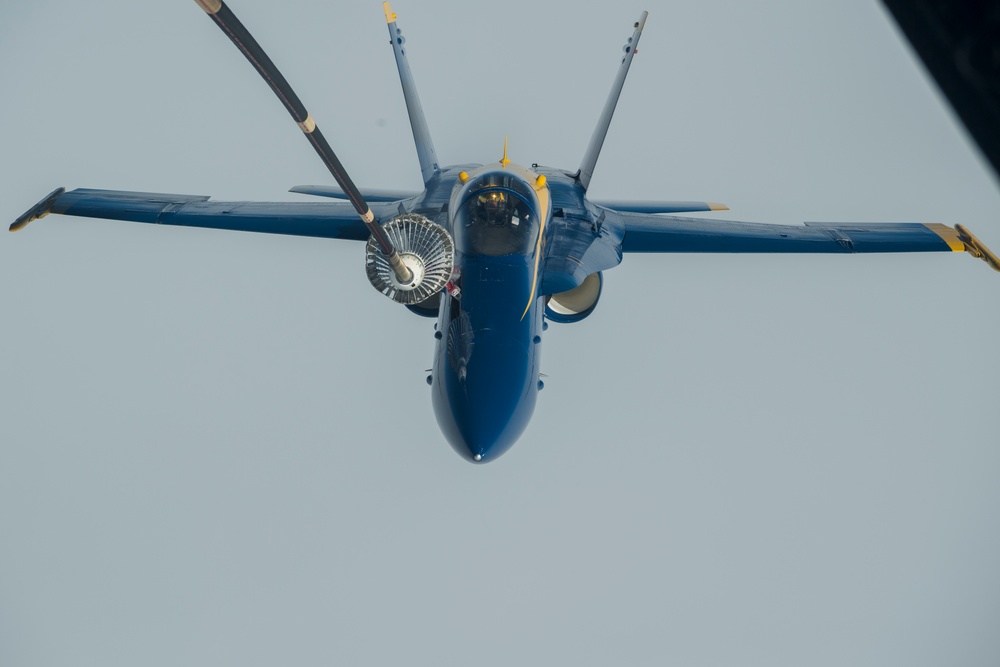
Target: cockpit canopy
x=497 y=216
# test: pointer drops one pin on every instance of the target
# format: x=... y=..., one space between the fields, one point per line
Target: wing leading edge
x=336 y=220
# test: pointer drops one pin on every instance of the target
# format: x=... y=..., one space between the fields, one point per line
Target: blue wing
x=337 y=220
x=580 y=246
x=658 y=233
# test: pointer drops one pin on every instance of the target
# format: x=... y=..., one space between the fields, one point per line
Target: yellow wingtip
x=717 y=207
x=390 y=17
x=38 y=211
x=948 y=234
x=25 y=220
x=977 y=248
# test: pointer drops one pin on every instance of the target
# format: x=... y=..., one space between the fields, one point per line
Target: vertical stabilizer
x=421 y=135
x=601 y=131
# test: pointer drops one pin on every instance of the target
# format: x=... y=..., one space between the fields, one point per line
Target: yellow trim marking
x=210 y=6
x=977 y=248
x=948 y=235
x=17 y=226
x=390 y=17
x=544 y=204
x=308 y=125
x=717 y=207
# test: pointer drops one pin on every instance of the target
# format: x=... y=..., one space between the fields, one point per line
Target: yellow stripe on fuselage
x=544 y=204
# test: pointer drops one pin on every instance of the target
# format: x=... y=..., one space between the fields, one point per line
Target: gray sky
x=749 y=460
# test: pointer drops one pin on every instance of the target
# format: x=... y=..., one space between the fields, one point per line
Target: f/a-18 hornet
x=493 y=251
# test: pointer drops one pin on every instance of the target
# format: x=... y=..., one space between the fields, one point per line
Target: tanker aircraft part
x=491 y=250
x=425 y=248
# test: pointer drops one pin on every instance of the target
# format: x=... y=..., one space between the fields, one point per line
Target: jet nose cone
x=482 y=416
x=483 y=436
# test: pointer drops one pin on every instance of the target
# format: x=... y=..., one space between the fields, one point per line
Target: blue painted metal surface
x=648 y=206
x=321 y=219
x=644 y=233
x=426 y=154
x=486 y=363
x=371 y=195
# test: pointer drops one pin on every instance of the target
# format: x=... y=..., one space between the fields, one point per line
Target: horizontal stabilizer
x=370 y=194
x=640 y=206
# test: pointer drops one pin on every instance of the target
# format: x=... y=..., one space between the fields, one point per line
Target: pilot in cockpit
x=495 y=221
x=494 y=209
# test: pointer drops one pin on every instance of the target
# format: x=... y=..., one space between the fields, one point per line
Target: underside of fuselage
x=485 y=375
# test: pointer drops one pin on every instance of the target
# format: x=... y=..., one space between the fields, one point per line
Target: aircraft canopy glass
x=497 y=217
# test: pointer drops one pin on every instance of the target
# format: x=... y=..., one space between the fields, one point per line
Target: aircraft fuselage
x=486 y=364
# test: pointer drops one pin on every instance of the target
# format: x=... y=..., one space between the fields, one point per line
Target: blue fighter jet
x=492 y=251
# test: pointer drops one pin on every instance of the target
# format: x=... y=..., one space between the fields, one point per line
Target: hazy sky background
x=752 y=460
